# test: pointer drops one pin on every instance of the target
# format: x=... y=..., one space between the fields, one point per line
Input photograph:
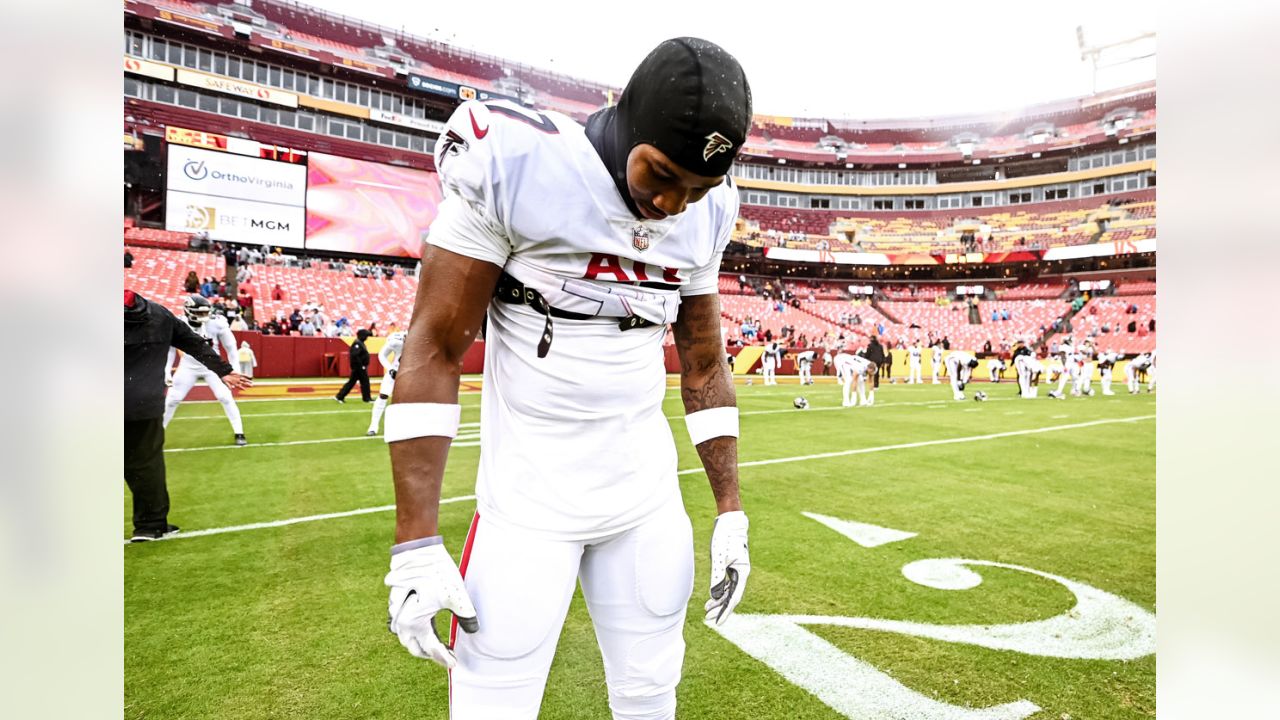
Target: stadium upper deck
x=436 y=76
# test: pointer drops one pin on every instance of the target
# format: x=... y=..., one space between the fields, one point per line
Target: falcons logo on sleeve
x=453 y=144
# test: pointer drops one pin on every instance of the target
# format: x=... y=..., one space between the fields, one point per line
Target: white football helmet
x=197 y=310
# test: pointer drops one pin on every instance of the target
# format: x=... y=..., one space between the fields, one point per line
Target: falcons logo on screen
x=453 y=144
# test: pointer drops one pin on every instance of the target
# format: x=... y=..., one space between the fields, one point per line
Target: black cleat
x=371 y=433
x=240 y=441
x=344 y=402
x=149 y=535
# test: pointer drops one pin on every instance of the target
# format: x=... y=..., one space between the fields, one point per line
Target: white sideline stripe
x=690 y=471
x=294 y=521
x=929 y=443
x=463 y=440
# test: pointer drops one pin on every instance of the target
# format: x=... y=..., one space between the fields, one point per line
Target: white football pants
x=848 y=382
x=1026 y=368
x=380 y=405
x=637 y=585
x=1068 y=375
x=1084 y=379
x=769 y=371
x=1105 y=374
x=995 y=372
x=914 y=372
x=806 y=375
x=958 y=375
x=936 y=367
x=1131 y=376
x=184 y=378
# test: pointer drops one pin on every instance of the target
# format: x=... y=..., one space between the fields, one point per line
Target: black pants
x=144 y=473
x=360 y=375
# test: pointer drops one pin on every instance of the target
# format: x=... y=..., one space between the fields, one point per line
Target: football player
x=936 y=360
x=215 y=331
x=805 y=362
x=389 y=356
x=582 y=245
x=856 y=371
x=915 y=358
x=1069 y=371
x=1106 y=362
x=995 y=367
x=1145 y=361
x=1084 y=378
x=1028 y=368
x=772 y=360
x=960 y=366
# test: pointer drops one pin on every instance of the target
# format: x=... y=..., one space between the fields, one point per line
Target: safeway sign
x=237 y=87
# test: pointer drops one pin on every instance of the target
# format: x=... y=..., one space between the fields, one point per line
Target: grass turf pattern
x=285 y=622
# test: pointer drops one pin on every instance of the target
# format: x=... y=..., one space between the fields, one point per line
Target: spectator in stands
x=128 y=258
x=192 y=284
x=295 y=320
x=1151 y=325
x=238 y=324
x=306 y=328
x=277 y=293
x=986 y=347
x=995 y=315
x=946 y=342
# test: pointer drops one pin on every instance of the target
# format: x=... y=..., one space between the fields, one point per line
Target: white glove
x=168 y=380
x=730 y=565
x=423 y=582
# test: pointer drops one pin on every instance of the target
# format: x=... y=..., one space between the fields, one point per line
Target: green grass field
x=290 y=621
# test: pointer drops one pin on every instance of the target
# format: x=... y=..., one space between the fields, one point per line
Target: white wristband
x=712 y=423
x=406 y=421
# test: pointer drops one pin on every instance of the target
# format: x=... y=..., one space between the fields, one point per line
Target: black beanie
x=690 y=99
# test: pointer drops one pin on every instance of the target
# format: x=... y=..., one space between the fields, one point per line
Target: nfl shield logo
x=640 y=238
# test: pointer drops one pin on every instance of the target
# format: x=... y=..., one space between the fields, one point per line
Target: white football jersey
x=915 y=354
x=856 y=364
x=391 y=351
x=807 y=356
x=217 y=333
x=573 y=444
x=959 y=358
x=1141 y=362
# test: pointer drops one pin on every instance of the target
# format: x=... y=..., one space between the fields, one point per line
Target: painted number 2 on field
x=1100 y=626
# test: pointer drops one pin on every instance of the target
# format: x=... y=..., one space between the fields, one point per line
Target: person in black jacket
x=149 y=331
x=875 y=353
x=359 y=369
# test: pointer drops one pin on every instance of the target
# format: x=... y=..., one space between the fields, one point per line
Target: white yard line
x=689 y=471
x=463 y=440
x=294 y=521
x=929 y=443
x=927 y=403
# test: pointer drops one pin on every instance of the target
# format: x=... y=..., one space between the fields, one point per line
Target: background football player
x=960 y=366
x=856 y=371
x=389 y=356
x=1106 y=363
x=915 y=359
x=1028 y=368
x=772 y=361
x=214 y=329
x=1136 y=366
x=804 y=360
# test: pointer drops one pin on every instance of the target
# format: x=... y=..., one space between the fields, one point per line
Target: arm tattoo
x=705 y=382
